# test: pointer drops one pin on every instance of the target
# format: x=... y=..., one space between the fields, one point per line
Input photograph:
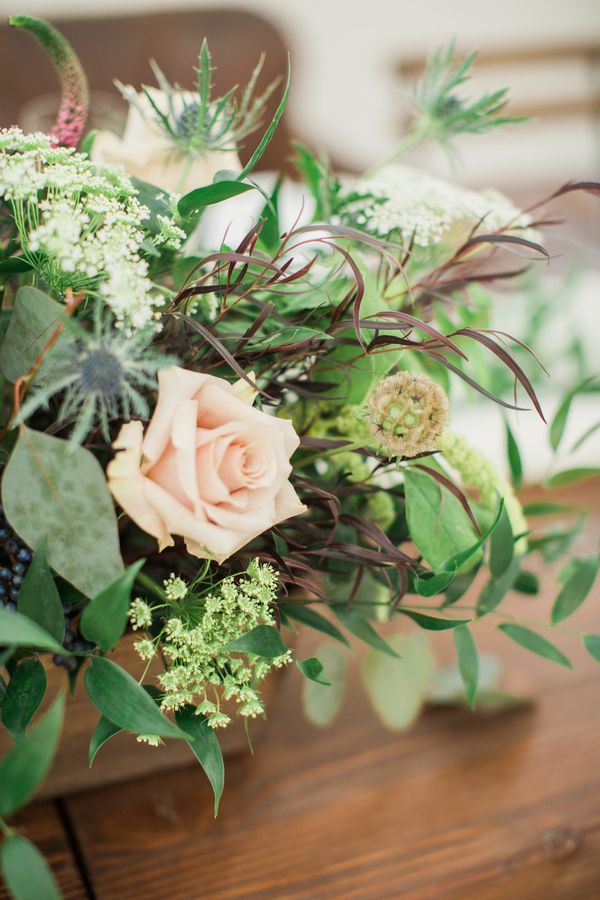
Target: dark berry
x=11 y=547
x=4 y=534
x=24 y=555
x=66 y=662
x=5 y=574
x=19 y=569
x=17 y=581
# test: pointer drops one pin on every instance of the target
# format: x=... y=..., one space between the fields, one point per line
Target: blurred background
x=354 y=65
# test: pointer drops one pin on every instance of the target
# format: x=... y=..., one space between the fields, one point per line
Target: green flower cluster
x=197 y=628
x=478 y=472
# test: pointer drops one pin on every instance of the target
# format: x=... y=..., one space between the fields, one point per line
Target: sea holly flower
x=407 y=413
x=74 y=102
x=210 y=467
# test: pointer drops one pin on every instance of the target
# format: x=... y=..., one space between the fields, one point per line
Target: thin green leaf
x=24 y=693
x=468 y=662
x=123 y=701
x=39 y=598
x=431 y=623
x=266 y=138
x=557 y=427
x=23 y=768
x=586 y=434
x=545 y=509
x=496 y=588
x=591 y=642
x=205 y=747
x=312 y=668
x=104 y=730
x=26 y=873
x=502 y=546
x=534 y=642
x=211 y=194
x=514 y=457
x=20 y=631
x=431 y=585
x=527 y=583
x=264 y=640
x=575 y=589
x=105 y=617
x=454 y=562
x=355 y=622
x=303 y=613
x=568 y=476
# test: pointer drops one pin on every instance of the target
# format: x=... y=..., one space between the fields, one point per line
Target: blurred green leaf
x=322 y=703
x=24 y=693
x=558 y=424
x=502 y=546
x=431 y=623
x=305 y=614
x=26 y=873
x=468 y=662
x=575 y=589
x=25 y=766
x=356 y=623
x=591 y=642
x=545 y=509
x=514 y=457
x=398 y=687
x=495 y=589
x=527 y=583
x=39 y=598
x=534 y=642
x=571 y=475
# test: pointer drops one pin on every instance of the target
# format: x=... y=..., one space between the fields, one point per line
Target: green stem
x=407 y=143
x=150 y=585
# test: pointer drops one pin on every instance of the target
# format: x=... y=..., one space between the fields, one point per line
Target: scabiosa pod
x=74 y=101
x=407 y=413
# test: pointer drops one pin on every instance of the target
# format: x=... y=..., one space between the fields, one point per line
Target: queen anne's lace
x=87 y=230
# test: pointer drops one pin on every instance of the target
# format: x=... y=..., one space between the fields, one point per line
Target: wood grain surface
x=465 y=805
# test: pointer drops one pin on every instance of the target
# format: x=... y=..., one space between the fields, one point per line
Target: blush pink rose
x=210 y=467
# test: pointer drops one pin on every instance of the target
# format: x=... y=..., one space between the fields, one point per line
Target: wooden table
x=486 y=806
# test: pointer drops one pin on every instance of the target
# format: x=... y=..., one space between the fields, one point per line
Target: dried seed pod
x=407 y=413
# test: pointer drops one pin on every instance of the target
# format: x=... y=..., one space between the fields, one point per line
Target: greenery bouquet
x=210 y=441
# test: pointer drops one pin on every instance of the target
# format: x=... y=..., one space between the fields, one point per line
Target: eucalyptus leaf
x=205 y=746
x=34 y=319
x=39 y=598
x=25 y=766
x=50 y=489
x=468 y=662
x=356 y=623
x=264 y=640
x=119 y=697
x=322 y=703
x=24 y=693
x=312 y=668
x=305 y=614
x=534 y=642
x=398 y=687
x=20 y=631
x=576 y=588
x=26 y=873
x=104 y=619
x=438 y=524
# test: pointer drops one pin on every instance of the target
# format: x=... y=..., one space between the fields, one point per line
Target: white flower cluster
x=193 y=643
x=427 y=210
x=87 y=230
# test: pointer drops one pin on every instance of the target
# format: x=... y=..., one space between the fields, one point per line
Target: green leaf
x=468 y=662
x=210 y=194
x=591 y=642
x=322 y=706
x=514 y=457
x=264 y=640
x=398 y=687
x=438 y=525
x=502 y=546
x=20 y=631
x=32 y=323
x=352 y=619
x=527 y=583
x=586 y=434
x=534 y=642
x=39 y=598
x=205 y=746
x=429 y=586
x=568 y=476
x=14 y=265
x=24 y=693
x=270 y=231
x=26 y=872
x=123 y=701
x=25 y=766
x=575 y=589
x=303 y=613
x=50 y=489
x=153 y=198
x=545 y=509
x=266 y=138
x=105 y=618
x=556 y=541
x=496 y=588
x=458 y=560
x=312 y=668
x=431 y=623
x=558 y=424
x=104 y=730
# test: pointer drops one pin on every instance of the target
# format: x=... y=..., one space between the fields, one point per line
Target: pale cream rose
x=147 y=152
x=210 y=467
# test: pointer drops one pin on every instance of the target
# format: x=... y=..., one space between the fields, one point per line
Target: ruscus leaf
x=24 y=693
x=205 y=746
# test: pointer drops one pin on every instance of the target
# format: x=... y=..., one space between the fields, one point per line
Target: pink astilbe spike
x=74 y=101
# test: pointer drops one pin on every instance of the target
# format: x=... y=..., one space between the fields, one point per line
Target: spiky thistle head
x=407 y=413
x=74 y=101
x=102 y=375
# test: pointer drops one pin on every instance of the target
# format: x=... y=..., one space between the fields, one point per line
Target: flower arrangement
x=208 y=443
